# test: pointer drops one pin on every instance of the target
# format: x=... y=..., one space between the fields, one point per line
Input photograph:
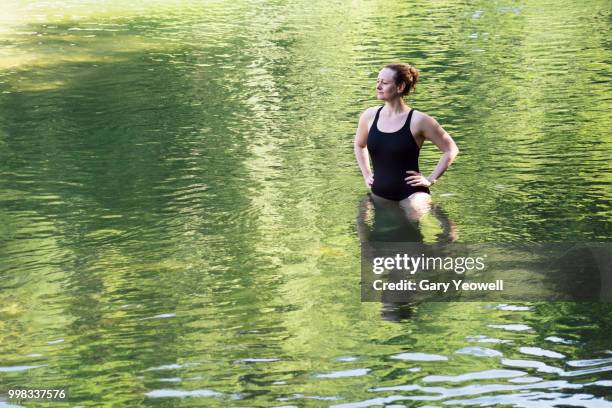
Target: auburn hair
x=405 y=73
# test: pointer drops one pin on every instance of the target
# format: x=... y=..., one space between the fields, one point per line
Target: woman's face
x=385 y=85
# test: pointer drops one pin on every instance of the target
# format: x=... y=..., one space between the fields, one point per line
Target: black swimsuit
x=392 y=155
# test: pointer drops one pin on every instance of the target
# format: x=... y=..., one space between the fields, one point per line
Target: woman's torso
x=393 y=154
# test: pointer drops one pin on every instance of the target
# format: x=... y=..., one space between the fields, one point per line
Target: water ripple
x=479 y=352
x=164 y=393
x=480 y=375
x=537 y=351
x=346 y=373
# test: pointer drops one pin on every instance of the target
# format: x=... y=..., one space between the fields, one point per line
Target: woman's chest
x=391 y=144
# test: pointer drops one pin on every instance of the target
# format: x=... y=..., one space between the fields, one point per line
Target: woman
x=393 y=135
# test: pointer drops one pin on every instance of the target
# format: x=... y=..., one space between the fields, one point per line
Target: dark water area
x=181 y=212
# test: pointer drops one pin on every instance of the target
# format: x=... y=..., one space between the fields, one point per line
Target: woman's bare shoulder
x=368 y=114
x=422 y=120
x=425 y=126
x=418 y=115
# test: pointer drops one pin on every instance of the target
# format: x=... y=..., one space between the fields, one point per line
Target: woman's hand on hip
x=369 y=180
x=416 y=179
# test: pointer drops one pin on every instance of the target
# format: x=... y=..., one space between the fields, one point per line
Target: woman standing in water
x=392 y=135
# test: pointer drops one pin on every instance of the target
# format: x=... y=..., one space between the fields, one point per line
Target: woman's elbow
x=453 y=153
x=358 y=145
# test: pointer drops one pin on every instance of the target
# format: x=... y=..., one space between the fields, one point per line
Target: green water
x=179 y=200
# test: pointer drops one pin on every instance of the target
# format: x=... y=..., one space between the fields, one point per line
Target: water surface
x=178 y=200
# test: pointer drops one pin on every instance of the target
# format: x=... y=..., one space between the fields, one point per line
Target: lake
x=181 y=210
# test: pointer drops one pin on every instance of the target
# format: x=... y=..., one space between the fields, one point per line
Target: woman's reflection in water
x=381 y=220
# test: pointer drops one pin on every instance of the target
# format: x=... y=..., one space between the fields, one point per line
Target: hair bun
x=405 y=73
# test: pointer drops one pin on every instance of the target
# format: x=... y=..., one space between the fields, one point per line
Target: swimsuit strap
x=376 y=117
x=409 y=119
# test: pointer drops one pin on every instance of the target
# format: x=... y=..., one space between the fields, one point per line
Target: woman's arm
x=361 y=147
x=429 y=128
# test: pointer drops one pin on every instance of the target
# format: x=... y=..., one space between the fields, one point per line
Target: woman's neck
x=396 y=107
